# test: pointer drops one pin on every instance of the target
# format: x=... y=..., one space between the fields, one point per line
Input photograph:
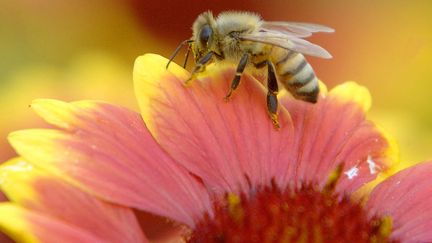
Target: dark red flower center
x=305 y=214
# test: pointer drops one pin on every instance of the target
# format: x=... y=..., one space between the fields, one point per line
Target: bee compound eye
x=205 y=34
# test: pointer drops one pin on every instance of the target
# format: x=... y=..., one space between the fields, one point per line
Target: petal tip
x=34 y=144
x=14 y=224
x=149 y=70
x=53 y=111
x=353 y=92
x=15 y=179
x=392 y=152
x=323 y=88
x=18 y=137
x=15 y=138
x=152 y=67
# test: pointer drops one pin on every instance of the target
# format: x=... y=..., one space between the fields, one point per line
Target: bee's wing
x=296 y=28
x=287 y=41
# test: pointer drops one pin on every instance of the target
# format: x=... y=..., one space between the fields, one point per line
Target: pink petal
x=332 y=132
x=222 y=142
x=107 y=151
x=30 y=226
x=407 y=198
x=39 y=191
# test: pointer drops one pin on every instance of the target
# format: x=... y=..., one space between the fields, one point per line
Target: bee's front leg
x=272 y=90
x=179 y=47
x=240 y=68
x=200 y=66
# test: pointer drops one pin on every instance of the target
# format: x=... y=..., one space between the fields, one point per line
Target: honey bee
x=246 y=39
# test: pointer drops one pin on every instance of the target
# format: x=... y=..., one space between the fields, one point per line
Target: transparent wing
x=296 y=28
x=287 y=41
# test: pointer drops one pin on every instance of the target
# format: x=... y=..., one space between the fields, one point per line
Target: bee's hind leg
x=236 y=81
x=272 y=90
x=200 y=66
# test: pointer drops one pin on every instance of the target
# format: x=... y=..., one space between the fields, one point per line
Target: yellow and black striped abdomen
x=296 y=74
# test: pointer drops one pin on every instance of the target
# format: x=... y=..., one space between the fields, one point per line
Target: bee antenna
x=182 y=44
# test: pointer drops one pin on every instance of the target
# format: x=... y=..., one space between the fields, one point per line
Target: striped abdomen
x=296 y=74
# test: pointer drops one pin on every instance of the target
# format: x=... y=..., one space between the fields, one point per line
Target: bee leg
x=200 y=66
x=187 y=56
x=179 y=47
x=272 y=87
x=236 y=81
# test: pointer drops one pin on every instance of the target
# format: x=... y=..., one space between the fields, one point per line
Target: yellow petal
x=43 y=146
x=17 y=170
x=392 y=153
x=23 y=142
x=149 y=69
x=63 y=114
x=28 y=226
x=14 y=223
x=53 y=111
x=48 y=195
x=323 y=88
x=352 y=92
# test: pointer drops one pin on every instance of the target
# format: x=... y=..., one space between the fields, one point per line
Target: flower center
x=308 y=214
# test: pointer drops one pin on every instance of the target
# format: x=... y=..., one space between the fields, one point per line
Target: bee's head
x=204 y=35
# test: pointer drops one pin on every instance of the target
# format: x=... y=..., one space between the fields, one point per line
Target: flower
x=218 y=168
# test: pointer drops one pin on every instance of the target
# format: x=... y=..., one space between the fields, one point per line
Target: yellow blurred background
x=80 y=49
x=77 y=49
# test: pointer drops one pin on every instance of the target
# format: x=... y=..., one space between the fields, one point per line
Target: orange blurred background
x=78 y=49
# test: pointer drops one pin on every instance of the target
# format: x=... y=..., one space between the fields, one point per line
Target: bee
x=246 y=39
